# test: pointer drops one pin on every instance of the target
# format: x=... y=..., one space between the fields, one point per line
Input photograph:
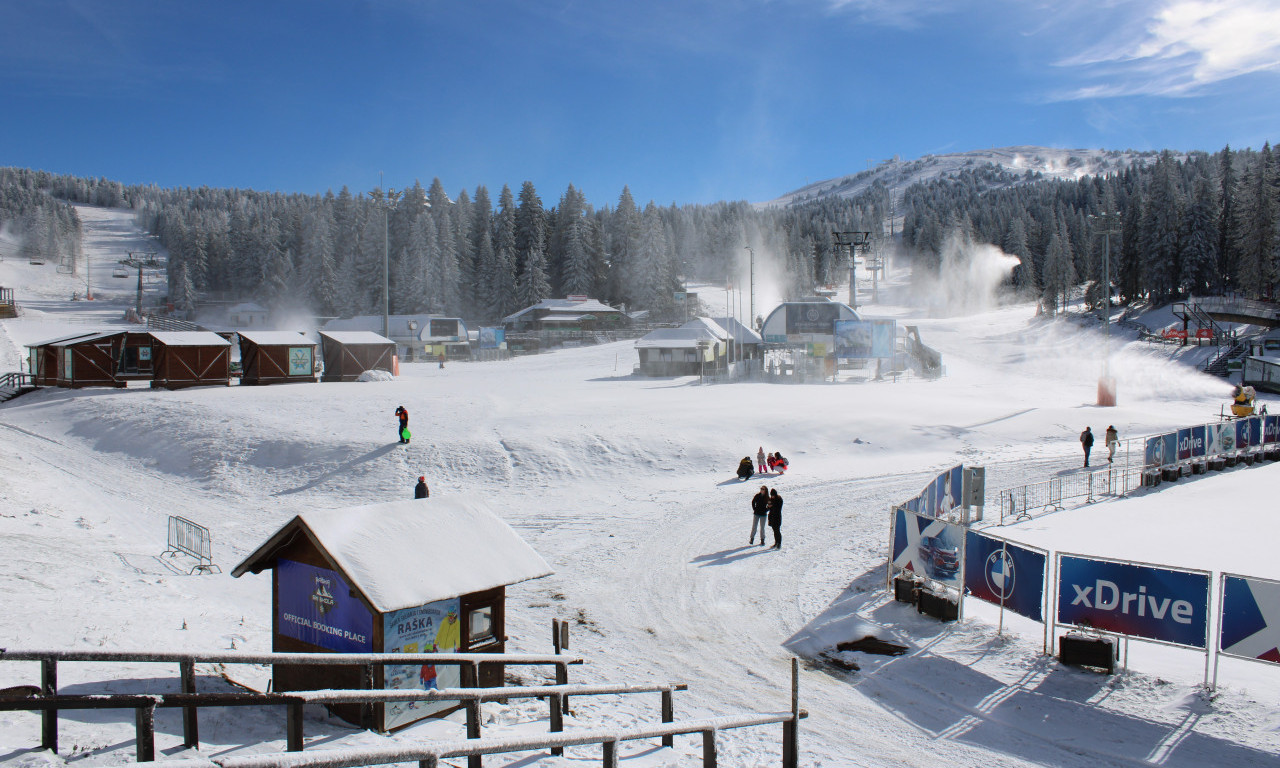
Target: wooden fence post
x=708 y=749
x=190 y=724
x=294 y=727
x=145 y=733
x=559 y=705
x=366 y=711
x=668 y=716
x=791 y=728
x=430 y=761
x=471 y=679
x=610 y=754
x=49 y=719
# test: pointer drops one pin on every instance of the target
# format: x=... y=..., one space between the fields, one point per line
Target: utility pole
x=752 y=303
x=855 y=242
x=386 y=260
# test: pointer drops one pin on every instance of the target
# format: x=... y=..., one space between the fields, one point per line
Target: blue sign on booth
x=1138 y=600
x=316 y=606
x=1005 y=574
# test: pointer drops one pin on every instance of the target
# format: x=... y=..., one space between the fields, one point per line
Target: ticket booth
x=412 y=576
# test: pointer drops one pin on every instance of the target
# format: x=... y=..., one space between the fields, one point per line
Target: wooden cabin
x=190 y=359
x=44 y=357
x=276 y=357
x=347 y=354
x=412 y=576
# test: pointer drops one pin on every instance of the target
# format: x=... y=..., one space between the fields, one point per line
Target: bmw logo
x=1000 y=575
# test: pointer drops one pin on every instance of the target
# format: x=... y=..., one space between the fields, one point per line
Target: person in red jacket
x=402 y=413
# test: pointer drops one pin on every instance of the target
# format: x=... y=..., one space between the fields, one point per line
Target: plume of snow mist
x=970 y=278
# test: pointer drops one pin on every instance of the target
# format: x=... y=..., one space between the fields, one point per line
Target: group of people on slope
x=774 y=462
x=766 y=507
x=1112 y=441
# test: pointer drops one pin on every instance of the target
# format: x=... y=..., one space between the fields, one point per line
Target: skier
x=402 y=413
x=745 y=468
x=759 y=511
x=775 y=517
x=421 y=491
x=760 y=458
x=1086 y=442
x=1113 y=442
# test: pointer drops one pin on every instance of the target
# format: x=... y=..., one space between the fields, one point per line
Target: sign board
x=864 y=339
x=1162 y=449
x=492 y=338
x=812 y=317
x=317 y=606
x=300 y=361
x=1250 y=618
x=931 y=548
x=1005 y=574
x=431 y=628
x=1157 y=603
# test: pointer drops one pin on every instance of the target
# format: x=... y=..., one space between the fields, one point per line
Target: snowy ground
x=625 y=486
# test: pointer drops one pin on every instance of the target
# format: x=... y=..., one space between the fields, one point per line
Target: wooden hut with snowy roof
x=189 y=359
x=347 y=354
x=412 y=576
x=276 y=357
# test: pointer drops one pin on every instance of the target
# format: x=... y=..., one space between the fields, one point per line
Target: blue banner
x=853 y=339
x=884 y=338
x=1248 y=432
x=316 y=606
x=492 y=338
x=1162 y=450
x=1198 y=441
x=1184 y=444
x=1005 y=574
x=1250 y=618
x=931 y=548
x=1138 y=600
x=1271 y=432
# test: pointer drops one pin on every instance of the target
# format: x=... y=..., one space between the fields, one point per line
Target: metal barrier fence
x=187 y=537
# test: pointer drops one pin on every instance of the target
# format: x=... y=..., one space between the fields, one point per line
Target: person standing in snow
x=1086 y=442
x=759 y=511
x=421 y=491
x=1113 y=442
x=760 y=458
x=402 y=413
x=775 y=517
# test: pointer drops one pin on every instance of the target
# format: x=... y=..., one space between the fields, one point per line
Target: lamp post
x=856 y=242
x=752 y=304
x=1110 y=225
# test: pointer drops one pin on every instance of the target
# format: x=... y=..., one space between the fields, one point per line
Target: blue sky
x=686 y=102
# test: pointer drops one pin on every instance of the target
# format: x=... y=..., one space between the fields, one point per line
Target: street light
x=1110 y=223
x=752 y=304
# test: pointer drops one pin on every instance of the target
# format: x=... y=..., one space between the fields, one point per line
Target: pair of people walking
x=766 y=507
x=1112 y=442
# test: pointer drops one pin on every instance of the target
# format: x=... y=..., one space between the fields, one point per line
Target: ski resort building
x=575 y=313
x=92 y=359
x=276 y=357
x=347 y=354
x=412 y=576
x=808 y=322
x=189 y=359
x=416 y=336
x=701 y=346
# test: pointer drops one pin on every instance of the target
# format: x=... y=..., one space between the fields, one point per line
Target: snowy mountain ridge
x=1033 y=163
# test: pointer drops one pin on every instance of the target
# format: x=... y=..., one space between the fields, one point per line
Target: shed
x=415 y=335
x=698 y=346
x=43 y=357
x=411 y=576
x=189 y=359
x=347 y=354
x=276 y=357
x=85 y=361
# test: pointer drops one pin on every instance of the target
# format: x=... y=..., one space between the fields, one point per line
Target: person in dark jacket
x=402 y=414
x=745 y=468
x=420 y=491
x=775 y=517
x=1086 y=442
x=759 y=509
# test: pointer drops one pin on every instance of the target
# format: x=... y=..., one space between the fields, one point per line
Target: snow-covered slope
x=1027 y=162
x=625 y=486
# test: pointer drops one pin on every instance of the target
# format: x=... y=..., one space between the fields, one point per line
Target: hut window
x=480 y=625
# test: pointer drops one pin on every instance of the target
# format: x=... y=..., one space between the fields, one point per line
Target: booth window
x=480 y=625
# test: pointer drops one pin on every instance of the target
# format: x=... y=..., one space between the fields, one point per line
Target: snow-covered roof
x=357 y=337
x=406 y=553
x=686 y=336
x=559 y=318
x=248 y=306
x=737 y=331
x=710 y=325
x=74 y=338
x=397 y=325
x=275 y=338
x=189 y=339
x=576 y=306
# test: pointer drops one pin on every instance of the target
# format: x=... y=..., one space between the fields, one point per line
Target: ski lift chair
x=66 y=269
x=119 y=272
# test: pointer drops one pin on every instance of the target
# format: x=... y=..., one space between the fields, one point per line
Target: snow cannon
x=1242 y=401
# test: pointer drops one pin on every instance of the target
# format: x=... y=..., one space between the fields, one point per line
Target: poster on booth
x=431 y=628
x=1002 y=573
x=928 y=547
x=1162 y=604
x=316 y=606
x=853 y=339
x=884 y=337
x=945 y=491
x=1250 y=618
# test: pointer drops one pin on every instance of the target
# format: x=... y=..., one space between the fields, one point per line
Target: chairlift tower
x=855 y=242
x=137 y=260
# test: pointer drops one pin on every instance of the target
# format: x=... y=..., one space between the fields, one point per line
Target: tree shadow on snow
x=340 y=469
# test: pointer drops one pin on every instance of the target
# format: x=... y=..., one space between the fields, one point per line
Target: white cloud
x=1179 y=47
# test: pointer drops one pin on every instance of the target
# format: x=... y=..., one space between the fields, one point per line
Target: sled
x=405 y=434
